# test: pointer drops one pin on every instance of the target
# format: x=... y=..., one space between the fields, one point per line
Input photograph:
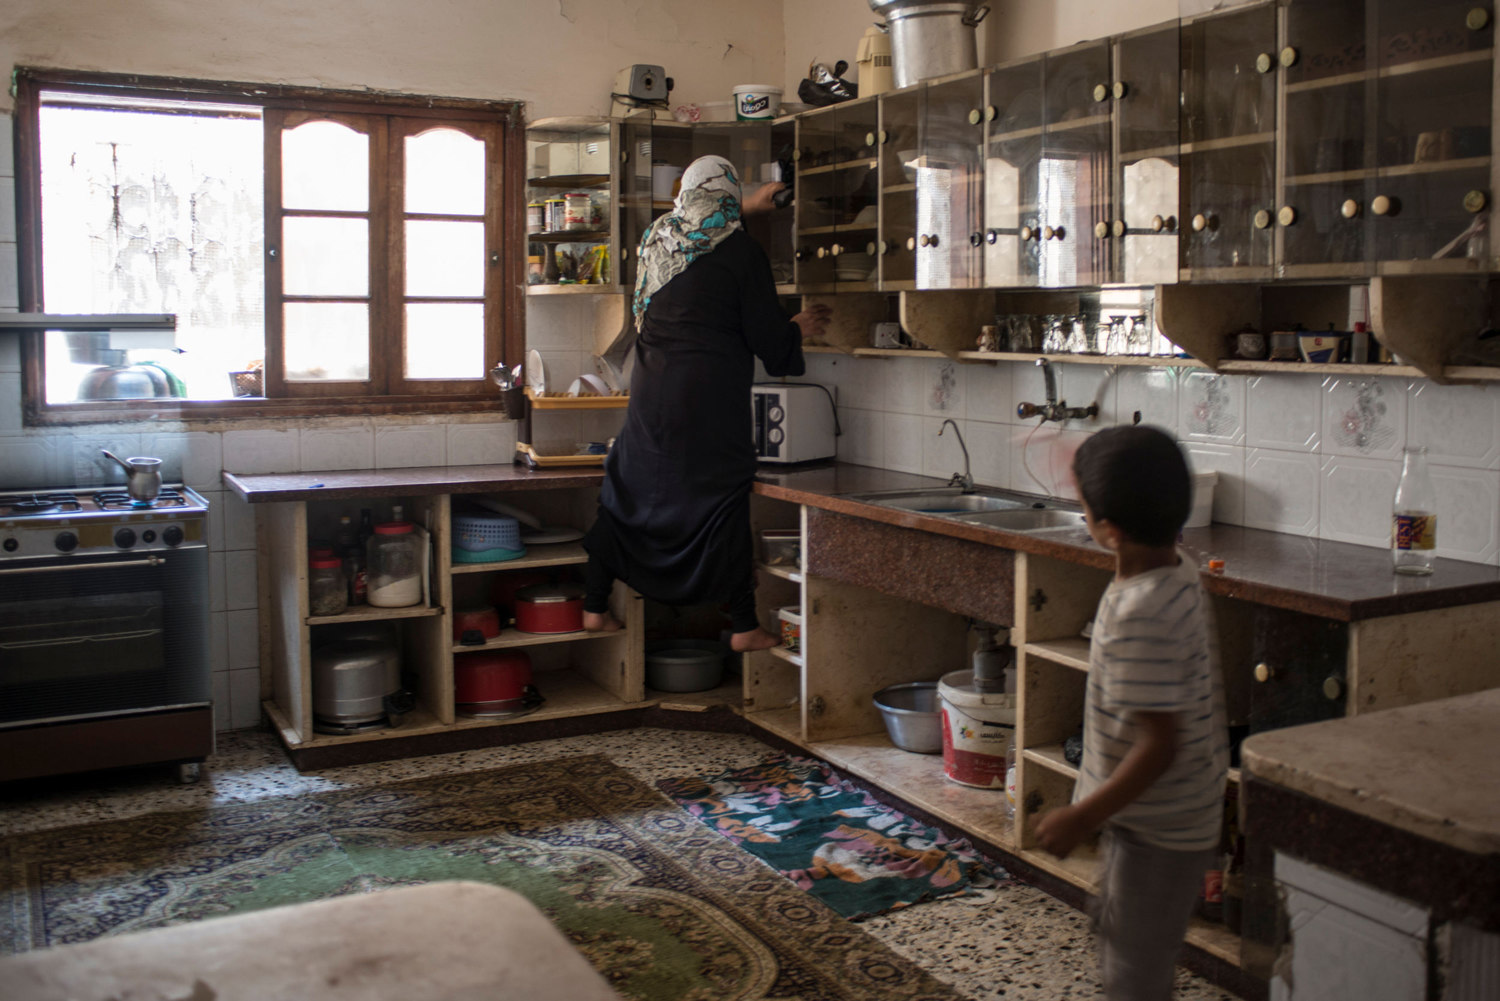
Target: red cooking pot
x=549 y=608
x=494 y=683
x=484 y=620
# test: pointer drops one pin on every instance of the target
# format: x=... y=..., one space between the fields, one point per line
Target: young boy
x=1155 y=749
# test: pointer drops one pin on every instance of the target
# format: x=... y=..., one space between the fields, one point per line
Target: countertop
x=416 y=481
x=1429 y=769
x=1333 y=580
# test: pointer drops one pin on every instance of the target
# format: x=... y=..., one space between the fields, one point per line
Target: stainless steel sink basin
x=1026 y=520
x=942 y=501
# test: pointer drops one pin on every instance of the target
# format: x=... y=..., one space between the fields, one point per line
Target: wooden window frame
x=500 y=123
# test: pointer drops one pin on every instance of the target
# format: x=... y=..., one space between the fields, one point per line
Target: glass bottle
x=393 y=567
x=327 y=590
x=1011 y=792
x=1414 y=516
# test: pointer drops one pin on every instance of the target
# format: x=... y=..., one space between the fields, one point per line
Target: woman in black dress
x=674 y=511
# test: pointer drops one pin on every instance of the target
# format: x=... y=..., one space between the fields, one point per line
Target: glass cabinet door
x=899 y=142
x=635 y=210
x=1323 y=220
x=570 y=164
x=1143 y=231
x=1433 y=101
x=950 y=181
x=856 y=181
x=1073 y=179
x=1012 y=172
x=1228 y=194
x=816 y=207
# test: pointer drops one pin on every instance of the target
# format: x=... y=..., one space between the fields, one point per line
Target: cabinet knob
x=1119 y=227
x=1101 y=230
x=976 y=239
x=800 y=254
x=1101 y=91
x=1121 y=88
x=1264 y=63
x=796 y=154
x=624 y=156
x=870 y=249
x=1477 y=19
x=1289 y=56
x=1333 y=688
x=822 y=252
x=1171 y=224
x=992 y=237
x=932 y=241
x=886 y=246
x=975 y=116
x=624 y=253
x=883 y=136
x=1261 y=219
x=1350 y=209
x=1264 y=672
x=911 y=243
x=1200 y=222
x=1287 y=216
x=1384 y=205
x=869 y=139
x=1158 y=224
x=1048 y=232
x=1060 y=233
x=991 y=113
x=1027 y=233
x=1475 y=201
x=836 y=249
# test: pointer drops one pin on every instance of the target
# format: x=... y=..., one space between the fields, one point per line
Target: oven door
x=90 y=636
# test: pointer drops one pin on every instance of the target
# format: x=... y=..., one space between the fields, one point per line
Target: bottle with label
x=1011 y=792
x=1414 y=517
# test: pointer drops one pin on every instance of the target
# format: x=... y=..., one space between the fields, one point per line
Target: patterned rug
x=661 y=906
x=831 y=838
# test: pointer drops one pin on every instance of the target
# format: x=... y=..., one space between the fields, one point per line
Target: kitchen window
x=324 y=252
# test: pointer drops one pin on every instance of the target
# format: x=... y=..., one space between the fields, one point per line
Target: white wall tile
x=337 y=448
x=1460 y=425
x=862 y=382
x=218 y=641
x=989 y=396
x=88 y=465
x=240 y=589
x=10 y=277
x=1355 y=503
x=1281 y=491
x=223 y=718
x=903 y=443
x=10 y=350
x=1211 y=408
x=863 y=440
x=7 y=149
x=989 y=451
x=239 y=522
x=1027 y=383
x=169 y=447
x=1150 y=391
x=261 y=451
x=7 y=207
x=202 y=460
x=553 y=323
x=244 y=698
x=1284 y=412
x=244 y=639
x=11 y=421
x=906 y=385
x=25 y=462
x=562 y=367
x=942 y=455
x=945 y=392
x=414 y=445
x=216 y=601
x=1229 y=490
x=1468 y=507
x=216 y=516
x=1041 y=460
x=1364 y=416
x=593 y=425
x=480 y=444
x=1085 y=385
x=559 y=427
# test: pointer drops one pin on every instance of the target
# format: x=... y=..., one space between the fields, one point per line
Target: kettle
x=143 y=476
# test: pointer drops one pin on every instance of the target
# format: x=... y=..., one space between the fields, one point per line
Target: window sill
x=258 y=409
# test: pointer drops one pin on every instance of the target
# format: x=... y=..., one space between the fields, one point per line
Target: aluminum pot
x=930 y=38
x=351 y=680
x=142 y=475
x=549 y=608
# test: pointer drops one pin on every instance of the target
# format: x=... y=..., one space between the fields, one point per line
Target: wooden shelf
x=795 y=576
x=554 y=554
x=371 y=613
x=511 y=638
x=1050 y=756
x=1076 y=124
x=1227 y=142
x=1015 y=135
x=897 y=189
x=783 y=653
x=829 y=168
x=568 y=695
x=563 y=181
x=1478 y=59
x=575 y=289
x=571 y=236
x=1396 y=170
x=1069 y=652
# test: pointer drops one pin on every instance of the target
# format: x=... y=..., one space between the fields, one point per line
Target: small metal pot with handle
x=143 y=476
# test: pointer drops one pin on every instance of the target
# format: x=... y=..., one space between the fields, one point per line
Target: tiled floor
x=1010 y=943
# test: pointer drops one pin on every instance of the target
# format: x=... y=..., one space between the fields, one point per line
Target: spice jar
x=328 y=590
x=393 y=566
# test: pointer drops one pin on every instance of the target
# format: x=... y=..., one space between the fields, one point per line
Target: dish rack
x=540 y=460
x=248 y=383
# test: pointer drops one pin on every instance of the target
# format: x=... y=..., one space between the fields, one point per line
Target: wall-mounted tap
x=1054 y=409
x=962 y=479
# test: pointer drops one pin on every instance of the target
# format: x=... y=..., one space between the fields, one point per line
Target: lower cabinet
x=576 y=673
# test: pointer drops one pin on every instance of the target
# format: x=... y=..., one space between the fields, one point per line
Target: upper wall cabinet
x=1012 y=168
x=1073 y=183
x=837 y=203
x=1144 y=233
x=1387 y=146
x=1228 y=186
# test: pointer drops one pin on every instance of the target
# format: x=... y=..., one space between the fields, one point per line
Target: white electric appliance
x=794 y=422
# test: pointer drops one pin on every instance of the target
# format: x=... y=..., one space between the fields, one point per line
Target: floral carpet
x=664 y=908
x=831 y=838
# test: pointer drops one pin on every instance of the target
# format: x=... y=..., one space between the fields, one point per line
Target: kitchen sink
x=943 y=501
x=1025 y=520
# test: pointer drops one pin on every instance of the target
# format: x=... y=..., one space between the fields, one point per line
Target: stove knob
x=66 y=542
x=171 y=535
x=125 y=538
x=149 y=535
x=11 y=545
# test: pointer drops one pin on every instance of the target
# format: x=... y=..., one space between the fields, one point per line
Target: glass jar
x=328 y=590
x=393 y=566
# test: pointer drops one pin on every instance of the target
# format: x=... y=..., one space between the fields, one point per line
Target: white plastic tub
x=1202 y=513
x=755 y=102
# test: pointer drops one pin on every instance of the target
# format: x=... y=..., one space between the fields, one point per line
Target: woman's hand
x=760 y=201
x=813 y=320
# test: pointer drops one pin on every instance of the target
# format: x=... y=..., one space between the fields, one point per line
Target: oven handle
x=150 y=561
x=74 y=641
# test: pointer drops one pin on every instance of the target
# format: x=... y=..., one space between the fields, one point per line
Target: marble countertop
x=1428 y=769
x=416 y=481
x=1332 y=580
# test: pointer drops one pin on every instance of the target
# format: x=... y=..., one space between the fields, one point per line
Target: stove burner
x=119 y=500
x=40 y=503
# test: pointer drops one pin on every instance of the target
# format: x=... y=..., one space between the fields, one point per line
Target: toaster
x=794 y=422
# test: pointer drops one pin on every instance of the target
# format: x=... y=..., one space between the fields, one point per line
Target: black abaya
x=674 y=511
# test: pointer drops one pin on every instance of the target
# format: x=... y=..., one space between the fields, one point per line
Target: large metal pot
x=351 y=680
x=124 y=382
x=930 y=38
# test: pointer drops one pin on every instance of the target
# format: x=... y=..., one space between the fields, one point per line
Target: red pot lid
x=393 y=528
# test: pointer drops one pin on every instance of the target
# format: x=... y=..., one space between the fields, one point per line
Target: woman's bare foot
x=754 y=639
x=601 y=622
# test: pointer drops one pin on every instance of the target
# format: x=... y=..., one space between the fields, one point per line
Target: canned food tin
x=536 y=217
x=578 y=210
x=554 y=214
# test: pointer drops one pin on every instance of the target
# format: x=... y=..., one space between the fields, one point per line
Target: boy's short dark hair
x=1136 y=477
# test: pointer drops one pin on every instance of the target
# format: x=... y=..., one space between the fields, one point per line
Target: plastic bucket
x=754 y=102
x=1202 y=513
x=977 y=729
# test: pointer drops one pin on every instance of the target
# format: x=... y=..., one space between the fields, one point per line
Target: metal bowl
x=685 y=665
x=913 y=716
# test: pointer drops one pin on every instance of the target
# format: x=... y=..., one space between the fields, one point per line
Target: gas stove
x=86 y=522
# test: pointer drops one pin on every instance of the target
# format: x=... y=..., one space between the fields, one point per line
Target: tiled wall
x=1299 y=454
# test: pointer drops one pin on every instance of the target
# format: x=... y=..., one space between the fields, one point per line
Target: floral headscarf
x=706 y=211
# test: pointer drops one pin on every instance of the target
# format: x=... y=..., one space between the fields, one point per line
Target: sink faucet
x=962 y=479
x=1054 y=409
